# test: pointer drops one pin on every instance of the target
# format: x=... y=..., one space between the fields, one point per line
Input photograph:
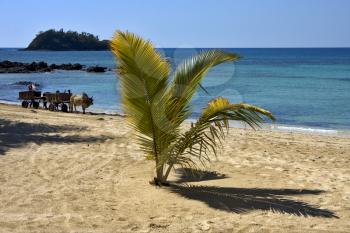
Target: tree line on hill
x=59 y=40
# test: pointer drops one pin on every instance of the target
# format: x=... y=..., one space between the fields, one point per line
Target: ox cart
x=57 y=101
x=30 y=98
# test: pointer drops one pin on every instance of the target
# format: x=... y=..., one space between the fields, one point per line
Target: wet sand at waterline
x=82 y=173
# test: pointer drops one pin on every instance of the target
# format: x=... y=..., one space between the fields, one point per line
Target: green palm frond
x=204 y=137
x=221 y=109
x=143 y=81
x=187 y=79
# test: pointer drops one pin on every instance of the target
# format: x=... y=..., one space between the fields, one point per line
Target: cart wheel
x=52 y=107
x=64 y=108
x=35 y=105
x=24 y=104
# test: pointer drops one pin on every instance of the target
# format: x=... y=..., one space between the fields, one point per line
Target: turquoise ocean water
x=306 y=89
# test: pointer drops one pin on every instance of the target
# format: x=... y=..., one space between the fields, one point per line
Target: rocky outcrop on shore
x=26 y=83
x=40 y=67
x=19 y=67
x=97 y=69
x=68 y=66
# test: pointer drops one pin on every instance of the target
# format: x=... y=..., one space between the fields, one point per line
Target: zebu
x=80 y=100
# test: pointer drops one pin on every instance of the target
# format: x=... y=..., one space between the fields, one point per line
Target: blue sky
x=185 y=23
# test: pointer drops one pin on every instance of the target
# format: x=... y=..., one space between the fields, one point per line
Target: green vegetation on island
x=67 y=41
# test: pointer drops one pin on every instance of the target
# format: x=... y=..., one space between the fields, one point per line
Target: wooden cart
x=57 y=101
x=30 y=98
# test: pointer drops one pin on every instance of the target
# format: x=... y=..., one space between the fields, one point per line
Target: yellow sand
x=83 y=173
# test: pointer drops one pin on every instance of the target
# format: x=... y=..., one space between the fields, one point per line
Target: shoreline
x=345 y=133
x=14 y=104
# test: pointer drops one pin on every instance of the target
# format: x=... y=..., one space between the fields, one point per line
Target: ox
x=80 y=100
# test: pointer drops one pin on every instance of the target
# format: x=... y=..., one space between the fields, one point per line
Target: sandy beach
x=83 y=173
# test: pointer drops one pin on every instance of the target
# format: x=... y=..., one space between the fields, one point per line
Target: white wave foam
x=304 y=129
x=290 y=128
x=9 y=102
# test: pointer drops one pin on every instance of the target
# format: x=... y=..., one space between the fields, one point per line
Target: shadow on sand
x=15 y=134
x=193 y=175
x=243 y=200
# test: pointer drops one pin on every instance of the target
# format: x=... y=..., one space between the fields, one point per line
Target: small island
x=59 y=40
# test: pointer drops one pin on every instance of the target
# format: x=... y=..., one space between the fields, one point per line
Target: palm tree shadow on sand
x=14 y=134
x=194 y=175
x=243 y=200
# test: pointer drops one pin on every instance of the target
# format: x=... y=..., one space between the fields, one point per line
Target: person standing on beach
x=31 y=87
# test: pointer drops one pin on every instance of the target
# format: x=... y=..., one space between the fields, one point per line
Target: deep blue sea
x=304 y=88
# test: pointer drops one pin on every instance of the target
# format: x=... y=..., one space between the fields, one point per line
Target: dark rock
x=38 y=67
x=32 y=66
x=8 y=64
x=68 y=66
x=42 y=65
x=25 y=83
x=35 y=67
x=97 y=69
x=19 y=67
x=54 y=66
x=77 y=66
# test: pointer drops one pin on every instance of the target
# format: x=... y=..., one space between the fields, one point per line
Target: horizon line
x=303 y=47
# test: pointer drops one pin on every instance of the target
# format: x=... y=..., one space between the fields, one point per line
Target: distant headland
x=59 y=40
